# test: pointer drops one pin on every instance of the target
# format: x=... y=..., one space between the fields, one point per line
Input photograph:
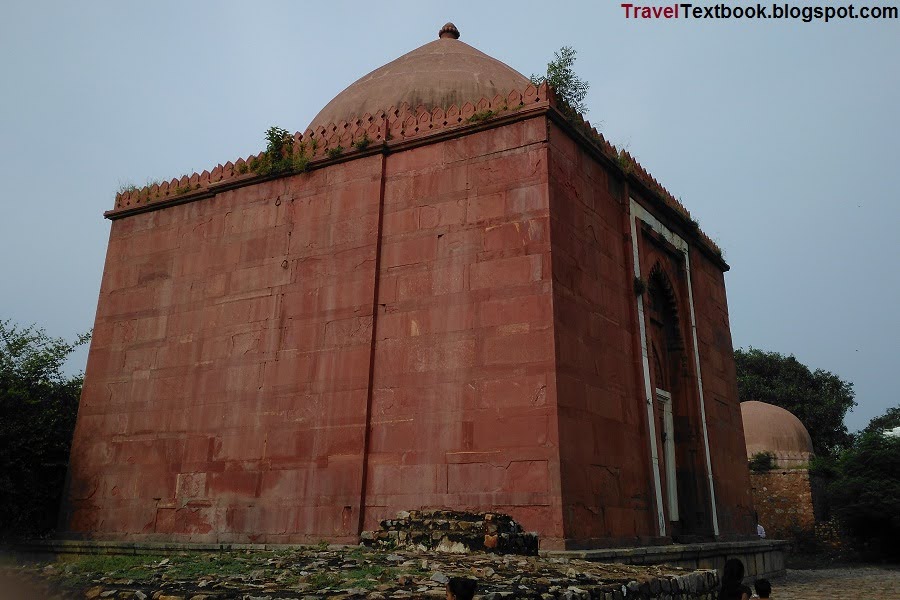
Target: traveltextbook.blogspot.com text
x=784 y=11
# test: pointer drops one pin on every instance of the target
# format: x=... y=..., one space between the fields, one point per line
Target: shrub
x=865 y=494
x=561 y=75
x=280 y=155
x=39 y=404
x=762 y=462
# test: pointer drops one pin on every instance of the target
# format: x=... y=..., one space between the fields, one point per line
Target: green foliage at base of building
x=38 y=404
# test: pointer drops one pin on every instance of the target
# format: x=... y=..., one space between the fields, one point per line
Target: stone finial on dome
x=449 y=31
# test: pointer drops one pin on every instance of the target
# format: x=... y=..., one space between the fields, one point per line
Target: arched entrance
x=685 y=494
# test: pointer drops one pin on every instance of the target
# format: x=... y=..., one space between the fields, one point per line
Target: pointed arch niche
x=673 y=386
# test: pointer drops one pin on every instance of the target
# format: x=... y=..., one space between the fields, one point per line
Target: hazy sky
x=781 y=137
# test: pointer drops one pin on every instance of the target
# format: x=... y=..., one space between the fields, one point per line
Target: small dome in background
x=770 y=428
x=440 y=73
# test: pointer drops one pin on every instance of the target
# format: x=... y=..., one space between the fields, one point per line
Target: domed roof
x=770 y=428
x=440 y=73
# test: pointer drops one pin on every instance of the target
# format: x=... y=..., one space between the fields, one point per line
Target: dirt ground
x=844 y=583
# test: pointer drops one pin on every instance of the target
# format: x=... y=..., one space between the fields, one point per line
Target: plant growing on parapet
x=762 y=462
x=280 y=155
x=624 y=161
x=570 y=89
x=274 y=160
x=279 y=142
x=299 y=162
x=184 y=189
x=335 y=152
x=482 y=115
x=362 y=143
x=126 y=188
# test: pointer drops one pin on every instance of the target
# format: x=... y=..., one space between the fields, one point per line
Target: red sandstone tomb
x=486 y=307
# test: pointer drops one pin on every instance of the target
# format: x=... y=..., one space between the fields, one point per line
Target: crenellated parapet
x=331 y=142
x=390 y=128
x=405 y=122
x=630 y=166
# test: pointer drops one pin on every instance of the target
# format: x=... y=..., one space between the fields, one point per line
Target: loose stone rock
x=93 y=592
x=440 y=578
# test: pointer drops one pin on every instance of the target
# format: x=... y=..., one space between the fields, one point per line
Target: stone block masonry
x=442 y=319
x=783 y=499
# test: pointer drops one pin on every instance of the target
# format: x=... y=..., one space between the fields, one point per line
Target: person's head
x=461 y=588
x=733 y=572
x=763 y=588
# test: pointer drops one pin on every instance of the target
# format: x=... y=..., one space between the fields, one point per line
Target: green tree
x=864 y=494
x=38 y=405
x=889 y=420
x=820 y=399
x=561 y=75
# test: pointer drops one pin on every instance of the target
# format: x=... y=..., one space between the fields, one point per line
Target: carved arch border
x=638 y=212
x=659 y=273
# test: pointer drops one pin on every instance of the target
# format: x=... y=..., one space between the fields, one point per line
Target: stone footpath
x=333 y=573
x=849 y=583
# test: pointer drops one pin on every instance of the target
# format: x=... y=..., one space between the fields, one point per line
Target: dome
x=440 y=73
x=770 y=428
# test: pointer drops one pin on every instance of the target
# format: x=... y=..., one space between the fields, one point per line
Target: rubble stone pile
x=346 y=573
x=454 y=532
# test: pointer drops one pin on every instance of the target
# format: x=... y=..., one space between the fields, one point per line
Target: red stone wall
x=607 y=486
x=231 y=355
x=608 y=493
x=783 y=499
x=723 y=410
x=463 y=411
x=226 y=385
x=236 y=361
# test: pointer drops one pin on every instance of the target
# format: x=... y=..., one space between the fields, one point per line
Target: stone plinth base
x=763 y=558
x=452 y=531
